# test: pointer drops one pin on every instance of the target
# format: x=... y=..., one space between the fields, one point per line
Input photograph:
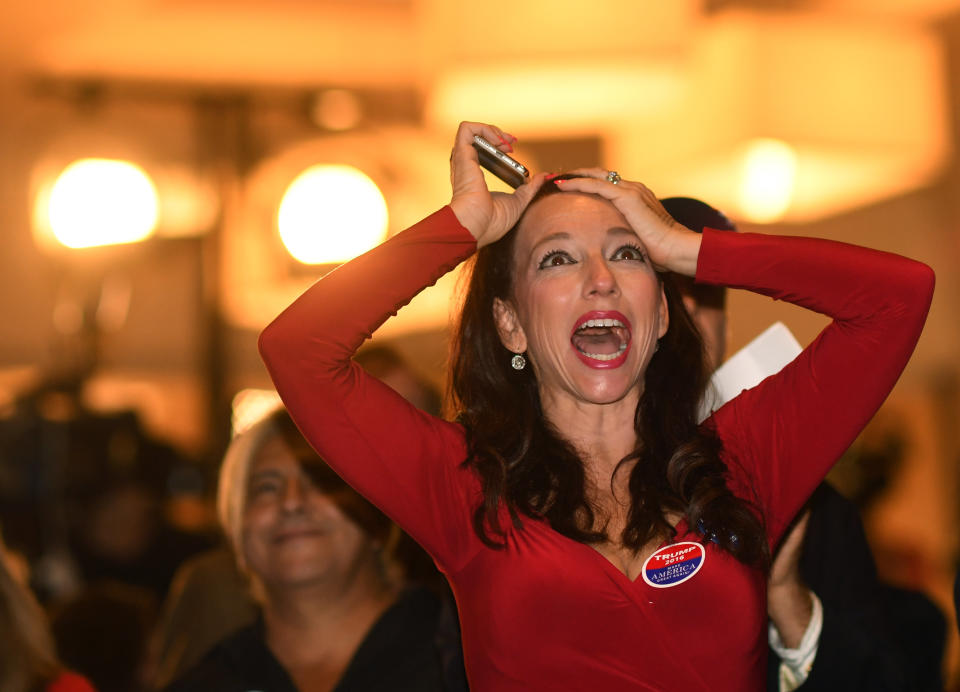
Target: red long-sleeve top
x=547 y=612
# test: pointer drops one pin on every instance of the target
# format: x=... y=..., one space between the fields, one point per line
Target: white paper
x=762 y=357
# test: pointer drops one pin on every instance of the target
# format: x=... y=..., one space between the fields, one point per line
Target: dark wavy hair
x=529 y=468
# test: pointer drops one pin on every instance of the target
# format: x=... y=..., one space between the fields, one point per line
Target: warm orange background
x=219 y=100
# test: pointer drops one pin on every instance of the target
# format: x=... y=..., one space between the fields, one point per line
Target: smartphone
x=509 y=170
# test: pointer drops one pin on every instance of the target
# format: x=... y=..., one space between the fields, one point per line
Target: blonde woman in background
x=28 y=661
x=336 y=611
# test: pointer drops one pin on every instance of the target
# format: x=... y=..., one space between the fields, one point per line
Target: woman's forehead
x=569 y=215
x=276 y=457
x=274 y=453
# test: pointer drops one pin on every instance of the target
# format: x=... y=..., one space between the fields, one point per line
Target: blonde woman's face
x=293 y=534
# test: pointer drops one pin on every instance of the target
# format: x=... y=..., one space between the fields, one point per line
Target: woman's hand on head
x=487 y=215
x=670 y=245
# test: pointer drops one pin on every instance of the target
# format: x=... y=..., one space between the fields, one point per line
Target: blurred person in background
x=831 y=621
x=82 y=493
x=210 y=597
x=336 y=612
x=116 y=480
x=103 y=632
x=28 y=661
x=119 y=531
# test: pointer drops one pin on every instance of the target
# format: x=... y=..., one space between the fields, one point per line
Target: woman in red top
x=596 y=538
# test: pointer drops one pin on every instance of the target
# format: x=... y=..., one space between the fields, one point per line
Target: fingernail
x=551 y=176
x=559 y=182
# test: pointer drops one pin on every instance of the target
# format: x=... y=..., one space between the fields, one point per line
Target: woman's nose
x=600 y=279
x=294 y=496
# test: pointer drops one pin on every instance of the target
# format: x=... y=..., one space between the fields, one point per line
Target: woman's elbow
x=915 y=282
x=269 y=343
x=922 y=280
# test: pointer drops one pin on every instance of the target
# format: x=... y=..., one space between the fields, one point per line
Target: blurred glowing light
x=102 y=202
x=569 y=96
x=337 y=110
x=331 y=214
x=767 y=182
x=252 y=405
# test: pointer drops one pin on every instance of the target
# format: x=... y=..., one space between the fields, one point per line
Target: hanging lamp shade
x=797 y=117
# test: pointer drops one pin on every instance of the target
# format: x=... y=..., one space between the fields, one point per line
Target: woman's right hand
x=487 y=215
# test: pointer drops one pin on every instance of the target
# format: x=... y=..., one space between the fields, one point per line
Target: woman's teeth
x=606 y=356
x=601 y=323
x=602 y=339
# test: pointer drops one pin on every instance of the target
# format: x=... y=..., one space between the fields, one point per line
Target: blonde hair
x=26 y=647
x=234 y=476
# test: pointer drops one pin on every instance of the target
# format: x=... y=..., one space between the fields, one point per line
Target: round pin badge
x=674 y=564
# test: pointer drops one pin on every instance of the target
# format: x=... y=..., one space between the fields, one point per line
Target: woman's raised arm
x=781 y=437
x=401 y=459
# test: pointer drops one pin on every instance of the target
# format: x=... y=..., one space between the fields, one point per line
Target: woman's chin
x=299 y=573
x=610 y=384
x=607 y=389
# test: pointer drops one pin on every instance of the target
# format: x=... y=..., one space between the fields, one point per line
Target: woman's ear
x=664 y=313
x=511 y=333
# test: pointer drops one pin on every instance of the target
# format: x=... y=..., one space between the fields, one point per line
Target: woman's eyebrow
x=563 y=235
x=558 y=235
x=266 y=473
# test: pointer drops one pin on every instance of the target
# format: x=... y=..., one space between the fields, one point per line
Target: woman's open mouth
x=601 y=338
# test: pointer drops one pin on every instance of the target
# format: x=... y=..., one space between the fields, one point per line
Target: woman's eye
x=629 y=252
x=259 y=489
x=555 y=259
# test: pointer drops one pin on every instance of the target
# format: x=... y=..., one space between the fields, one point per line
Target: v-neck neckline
x=682 y=529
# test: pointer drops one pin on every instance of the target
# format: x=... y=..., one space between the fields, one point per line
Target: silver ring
x=613 y=177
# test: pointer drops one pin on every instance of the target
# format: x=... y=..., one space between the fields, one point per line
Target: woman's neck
x=603 y=434
x=320 y=625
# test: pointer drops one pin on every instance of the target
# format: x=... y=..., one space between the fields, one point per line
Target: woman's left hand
x=670 y=246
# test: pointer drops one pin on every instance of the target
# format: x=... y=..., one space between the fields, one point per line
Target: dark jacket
x=868 y=641
x=399 y=654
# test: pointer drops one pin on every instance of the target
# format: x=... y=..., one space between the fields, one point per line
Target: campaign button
x=673 y=564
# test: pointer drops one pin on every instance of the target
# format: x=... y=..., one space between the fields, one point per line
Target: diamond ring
x=613 y=177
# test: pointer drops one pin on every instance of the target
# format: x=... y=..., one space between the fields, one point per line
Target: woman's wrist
x=467 y=216
x=790 y=608
x=684 y=251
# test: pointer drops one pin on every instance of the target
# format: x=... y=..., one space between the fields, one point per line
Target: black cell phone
x=509 y=170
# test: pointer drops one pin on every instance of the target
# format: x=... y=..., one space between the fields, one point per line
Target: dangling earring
x=518 y=362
